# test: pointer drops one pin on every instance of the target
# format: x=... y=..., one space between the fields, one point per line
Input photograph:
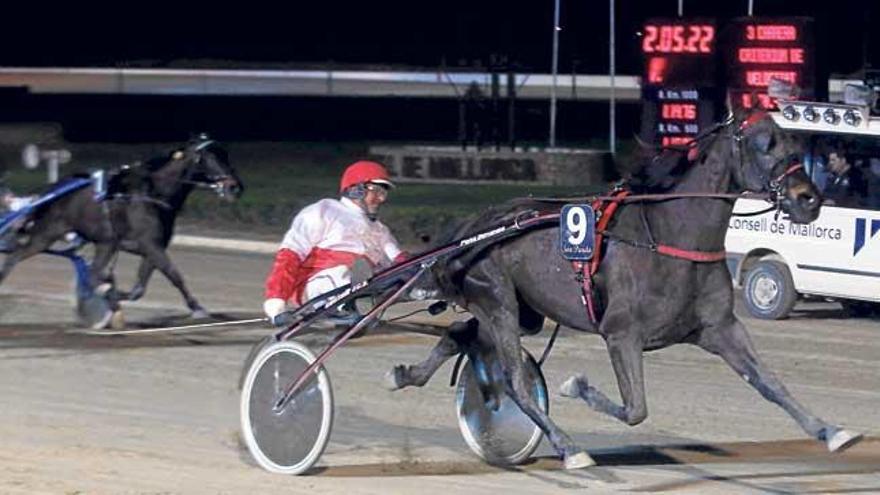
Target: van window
x=846 y=170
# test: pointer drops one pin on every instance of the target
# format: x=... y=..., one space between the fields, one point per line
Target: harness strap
x=605 y=215
x=695 y=256
x=585 y=278
x=671 y=251
x=583 y=272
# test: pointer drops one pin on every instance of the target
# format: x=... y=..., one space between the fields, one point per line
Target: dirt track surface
x=159 y=414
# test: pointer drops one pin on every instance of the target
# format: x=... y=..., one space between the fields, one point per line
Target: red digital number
x=708 y=38
x=675 y=140
x=764 y=101
x=678 y=38
x=750 y=35
x=665 y=43
x=657 y=70
x=650 y=38
x=679 y=111
x=696 y=33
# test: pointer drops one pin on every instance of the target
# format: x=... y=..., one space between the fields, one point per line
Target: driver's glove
x=275 y=308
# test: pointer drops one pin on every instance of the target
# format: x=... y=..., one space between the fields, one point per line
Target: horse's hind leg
x=454 y=341
x=40 y=238
x=490 y=288
x=733 y=344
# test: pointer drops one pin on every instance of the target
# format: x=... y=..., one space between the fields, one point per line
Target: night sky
x=417 y=34
x=457 y=34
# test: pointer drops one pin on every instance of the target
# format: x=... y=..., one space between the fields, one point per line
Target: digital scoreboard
x=678 y=79
x=760 y=49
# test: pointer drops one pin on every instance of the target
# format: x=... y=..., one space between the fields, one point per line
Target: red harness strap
x=583 y=275
x=605 y=210
x=696 y=256
x=584 y=272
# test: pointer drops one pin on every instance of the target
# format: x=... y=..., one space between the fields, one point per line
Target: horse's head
x=767 y=160
x=207 y=165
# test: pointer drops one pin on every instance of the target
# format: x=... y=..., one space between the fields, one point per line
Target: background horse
x=138 y=215
x=651 y=300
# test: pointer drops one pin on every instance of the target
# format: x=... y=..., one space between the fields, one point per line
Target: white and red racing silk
x=321 y=246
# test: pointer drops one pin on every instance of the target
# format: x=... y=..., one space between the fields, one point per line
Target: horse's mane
x=658 y=171
x=157 y=162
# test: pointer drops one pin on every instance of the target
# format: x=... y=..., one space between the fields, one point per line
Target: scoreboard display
x=678 y=53
x=761 y=49
x=678 y=79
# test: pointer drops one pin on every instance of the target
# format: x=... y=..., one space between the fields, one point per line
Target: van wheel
x=768 y=291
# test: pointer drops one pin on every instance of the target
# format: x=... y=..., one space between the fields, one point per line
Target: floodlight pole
x=612 y=138
x=555 y=68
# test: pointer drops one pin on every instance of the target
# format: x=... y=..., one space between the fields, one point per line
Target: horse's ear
x=740 y=114
x=643 y=145
x=177 y=155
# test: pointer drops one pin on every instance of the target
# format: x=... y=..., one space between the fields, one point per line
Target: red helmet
x=364 y=171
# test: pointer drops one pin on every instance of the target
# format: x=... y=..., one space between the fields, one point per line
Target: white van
x=837 y=256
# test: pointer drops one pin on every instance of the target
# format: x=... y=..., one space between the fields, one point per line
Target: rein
x=642 y=198
x=692 y=255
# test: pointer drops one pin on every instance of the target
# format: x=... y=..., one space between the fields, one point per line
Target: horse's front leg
x=625 y=351
x=100 y=271
x=456 y=340
x=159 y=258
x=731 y=341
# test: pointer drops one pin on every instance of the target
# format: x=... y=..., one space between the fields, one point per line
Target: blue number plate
x=577 y=232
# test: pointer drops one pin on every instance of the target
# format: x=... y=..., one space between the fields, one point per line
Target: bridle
x=620 y=195
x=218 y=183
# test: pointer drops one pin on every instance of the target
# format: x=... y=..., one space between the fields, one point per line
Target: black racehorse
x=138 y=215
x=651 y=300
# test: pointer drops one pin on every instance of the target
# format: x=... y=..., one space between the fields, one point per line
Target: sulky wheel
x=252 y=355
x=93 y=311
x=502 y=434
x=291 y=440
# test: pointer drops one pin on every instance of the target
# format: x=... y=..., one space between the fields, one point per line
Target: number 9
x=576 y=221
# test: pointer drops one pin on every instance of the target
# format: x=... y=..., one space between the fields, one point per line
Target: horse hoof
x=391 y=381
x=579 y=461
x=843 y=440
x=199 y=314
x=117 y=320
x=571 y=388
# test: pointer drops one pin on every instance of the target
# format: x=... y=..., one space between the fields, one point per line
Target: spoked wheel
x=291 y=440
x=502 y=434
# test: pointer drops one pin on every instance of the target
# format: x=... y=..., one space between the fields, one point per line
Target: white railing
x=427 y=84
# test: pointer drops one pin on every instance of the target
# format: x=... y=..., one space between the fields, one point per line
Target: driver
x=327 y=237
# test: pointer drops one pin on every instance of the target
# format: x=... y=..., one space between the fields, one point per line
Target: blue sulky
x=92 y=308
